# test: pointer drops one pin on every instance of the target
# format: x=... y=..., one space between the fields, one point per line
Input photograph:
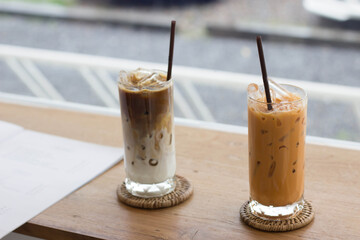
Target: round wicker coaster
x=182 y=192
x=301 y=220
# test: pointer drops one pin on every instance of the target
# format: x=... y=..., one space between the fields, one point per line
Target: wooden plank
x=217 y=165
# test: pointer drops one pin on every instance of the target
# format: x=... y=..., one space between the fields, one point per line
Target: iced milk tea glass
x=146 y=102
x=276 y=155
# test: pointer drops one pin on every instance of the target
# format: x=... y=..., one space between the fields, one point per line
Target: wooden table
x=217 y=165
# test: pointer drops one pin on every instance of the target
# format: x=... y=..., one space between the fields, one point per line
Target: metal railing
x=98 y=73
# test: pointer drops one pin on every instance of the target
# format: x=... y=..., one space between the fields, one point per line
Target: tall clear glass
x=276 y=155
x=146 y=102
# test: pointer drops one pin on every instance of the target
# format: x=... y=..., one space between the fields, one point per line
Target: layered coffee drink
x=276 y=152
x=146 y=101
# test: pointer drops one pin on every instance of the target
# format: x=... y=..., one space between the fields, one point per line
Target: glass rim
x=302 y=98
x=157 y=87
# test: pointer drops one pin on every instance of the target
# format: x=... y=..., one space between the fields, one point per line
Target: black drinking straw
x=171 y=49
x=263 y=71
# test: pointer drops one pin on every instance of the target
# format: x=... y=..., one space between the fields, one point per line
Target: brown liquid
x=147 y=110
x=276 y=152
x=147 y=120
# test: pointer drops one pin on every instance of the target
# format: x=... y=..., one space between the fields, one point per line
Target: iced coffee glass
x=276 y=152
x=146 y=102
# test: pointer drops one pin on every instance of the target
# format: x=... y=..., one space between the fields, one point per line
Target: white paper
x=37 y=170
x=8 y=130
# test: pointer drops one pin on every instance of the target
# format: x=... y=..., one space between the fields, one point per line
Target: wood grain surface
x=217 y=165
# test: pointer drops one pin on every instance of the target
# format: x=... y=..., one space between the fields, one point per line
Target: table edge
x=78 y=107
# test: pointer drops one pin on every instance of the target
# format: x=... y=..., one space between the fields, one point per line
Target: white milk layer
x=150 y=159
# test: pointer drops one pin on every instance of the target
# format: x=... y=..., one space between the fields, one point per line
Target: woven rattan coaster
x=182 y=192
x=301 y=220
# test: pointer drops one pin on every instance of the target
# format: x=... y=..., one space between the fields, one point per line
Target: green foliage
x=55 y=2
x=344 y=135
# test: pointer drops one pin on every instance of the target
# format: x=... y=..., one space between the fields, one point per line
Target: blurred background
x=72 y=50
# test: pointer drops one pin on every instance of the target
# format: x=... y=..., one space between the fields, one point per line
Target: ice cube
x=159 y=77
x=141 y=74
x=281 y=91
x=140 y=78
x=253 y=91
x=149 y=80
x=273 y=95
x=123 y=77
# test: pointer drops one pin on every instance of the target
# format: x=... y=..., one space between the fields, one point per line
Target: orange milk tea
x=276 y=149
